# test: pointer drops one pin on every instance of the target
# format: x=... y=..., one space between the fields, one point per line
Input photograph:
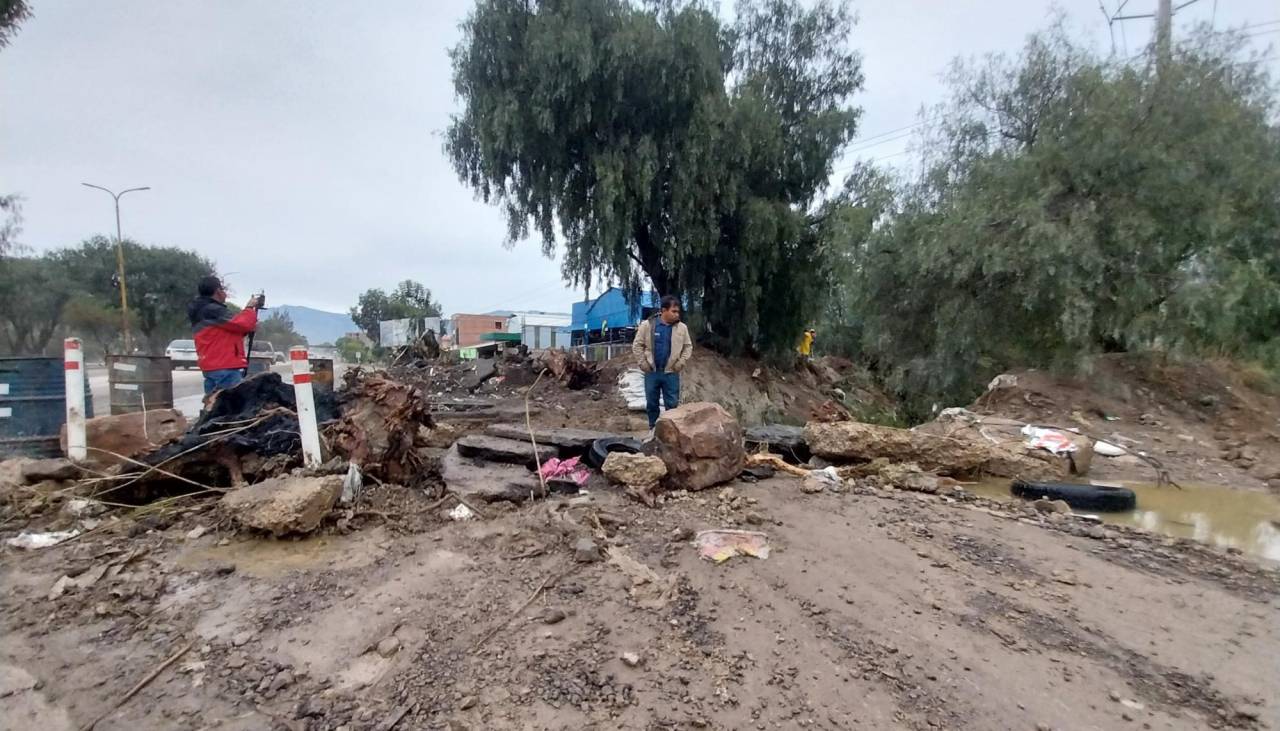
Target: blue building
x=611 y=313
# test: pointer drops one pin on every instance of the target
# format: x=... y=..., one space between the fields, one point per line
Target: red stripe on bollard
x=70 y=365
x=301 y=378
x=71 y=345
x=297 y=355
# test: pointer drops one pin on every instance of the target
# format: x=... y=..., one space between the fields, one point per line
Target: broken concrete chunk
x=39 y=470
x=284 y=505
x=482 y=370
x=488 y=483
x=570 y=442
x=701 y=444
x=506 y=451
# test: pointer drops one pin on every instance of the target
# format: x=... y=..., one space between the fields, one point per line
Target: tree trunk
x=651 y=260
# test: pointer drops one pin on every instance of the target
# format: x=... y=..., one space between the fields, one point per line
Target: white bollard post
x=73 y=368
x=306 y=406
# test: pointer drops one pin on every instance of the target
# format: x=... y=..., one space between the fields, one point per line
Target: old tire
x=1101 y=498
x=601 y=448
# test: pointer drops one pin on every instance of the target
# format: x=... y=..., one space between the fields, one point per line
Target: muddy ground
x=875 y=609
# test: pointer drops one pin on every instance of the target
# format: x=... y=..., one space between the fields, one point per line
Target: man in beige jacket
x=662 y=347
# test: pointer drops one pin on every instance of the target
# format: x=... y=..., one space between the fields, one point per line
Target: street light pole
x=124 y=290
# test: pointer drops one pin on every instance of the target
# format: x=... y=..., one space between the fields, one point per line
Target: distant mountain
x=317 y=326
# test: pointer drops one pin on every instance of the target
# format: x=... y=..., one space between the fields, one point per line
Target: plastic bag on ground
x=1055 y=442
x=568 y=469
x=723 y=544
x=41 y=540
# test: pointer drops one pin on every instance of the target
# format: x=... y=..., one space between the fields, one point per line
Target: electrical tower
x=1163 y=15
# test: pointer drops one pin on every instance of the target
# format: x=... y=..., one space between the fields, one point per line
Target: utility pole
x=1164 y=32
x=1164 y=25
x=124 y=290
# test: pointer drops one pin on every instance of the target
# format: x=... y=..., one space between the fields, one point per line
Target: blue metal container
x=33 y=406
x=260 y=364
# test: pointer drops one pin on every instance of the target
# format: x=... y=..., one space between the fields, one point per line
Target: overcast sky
x=298 y=144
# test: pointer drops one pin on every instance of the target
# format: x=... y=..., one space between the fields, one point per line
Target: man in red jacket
x=219 y=336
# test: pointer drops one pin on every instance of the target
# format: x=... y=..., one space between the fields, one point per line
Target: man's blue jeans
x=218 y=380
x=666 y=384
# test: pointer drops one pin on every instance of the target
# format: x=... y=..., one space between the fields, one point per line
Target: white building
x=518 y=320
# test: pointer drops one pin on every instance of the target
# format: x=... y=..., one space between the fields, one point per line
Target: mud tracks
x=1152 y=681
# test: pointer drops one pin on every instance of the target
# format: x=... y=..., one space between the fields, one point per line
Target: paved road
x=188 y=389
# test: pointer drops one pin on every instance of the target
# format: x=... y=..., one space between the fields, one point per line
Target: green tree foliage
x=10 y=224
x=97 y=322
x=408 y=299
x=1069 y=205
x=353 y=350
x=161 y=281
x=278 y=330
x=656 y=142
x=12 y=13
x=33 y=291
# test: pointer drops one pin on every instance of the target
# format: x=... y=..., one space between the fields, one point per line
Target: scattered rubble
x=701 y=444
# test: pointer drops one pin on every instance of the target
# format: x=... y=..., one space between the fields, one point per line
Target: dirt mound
x=1208 y=421
x=756 y=393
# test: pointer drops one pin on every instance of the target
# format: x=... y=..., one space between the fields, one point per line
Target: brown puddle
x=1220 y=516
x=266 y=557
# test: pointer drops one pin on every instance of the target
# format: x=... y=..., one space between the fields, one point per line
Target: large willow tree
x=654 y=142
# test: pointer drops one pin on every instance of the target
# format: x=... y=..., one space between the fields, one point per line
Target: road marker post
x=306 y=406
x=73 y=369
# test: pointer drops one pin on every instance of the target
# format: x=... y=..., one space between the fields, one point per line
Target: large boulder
x=284 y=505
x=701 y=444
x=129 y=435
x=952 y=456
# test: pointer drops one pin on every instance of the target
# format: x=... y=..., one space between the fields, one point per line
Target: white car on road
x=182 y=353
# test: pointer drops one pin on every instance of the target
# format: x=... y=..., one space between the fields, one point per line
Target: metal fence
x=600 y=352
